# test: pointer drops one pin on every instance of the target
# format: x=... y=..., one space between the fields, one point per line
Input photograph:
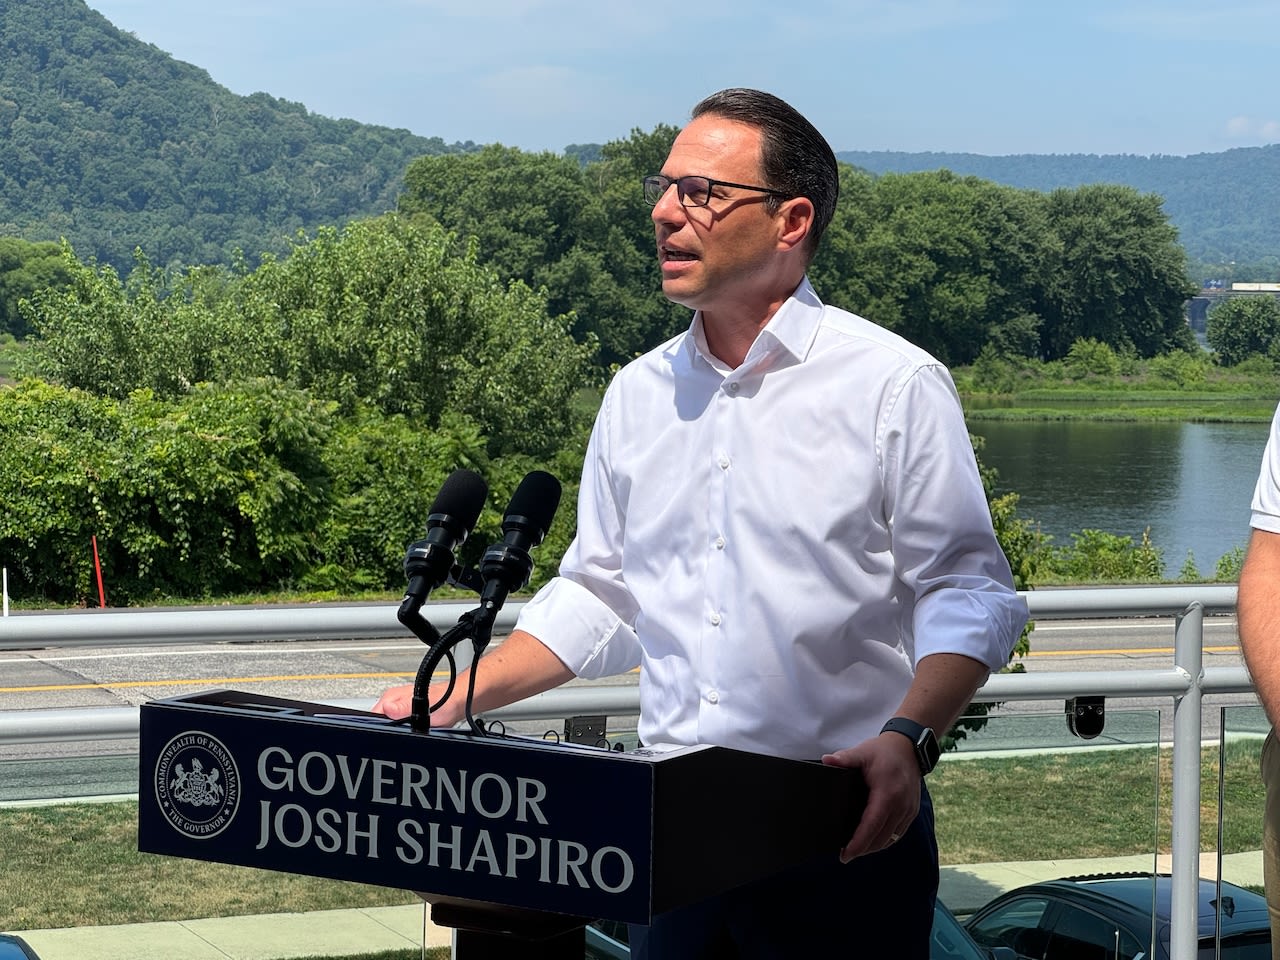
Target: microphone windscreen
x=536 y=498
x=462 y=497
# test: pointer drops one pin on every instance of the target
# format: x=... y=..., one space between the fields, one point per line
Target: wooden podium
x=507 y=836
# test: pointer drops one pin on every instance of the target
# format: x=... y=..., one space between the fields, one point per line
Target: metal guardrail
x=25 y=631
x=1185 y=681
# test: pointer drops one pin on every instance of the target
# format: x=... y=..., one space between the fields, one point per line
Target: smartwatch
x=921 y=737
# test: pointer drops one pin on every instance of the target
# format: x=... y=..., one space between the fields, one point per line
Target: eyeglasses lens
x=654 y=188
x=694 y=191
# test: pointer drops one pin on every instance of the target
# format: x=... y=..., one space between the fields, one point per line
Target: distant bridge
x=1197 y=308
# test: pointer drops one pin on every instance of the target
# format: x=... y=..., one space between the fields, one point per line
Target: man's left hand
x=892 y=774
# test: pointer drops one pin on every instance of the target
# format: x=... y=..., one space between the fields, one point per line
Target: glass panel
x=1021 y=800
x=1234 y=788
x=70 y=773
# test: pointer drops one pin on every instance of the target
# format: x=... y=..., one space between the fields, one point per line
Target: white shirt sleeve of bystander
x=1266 y=495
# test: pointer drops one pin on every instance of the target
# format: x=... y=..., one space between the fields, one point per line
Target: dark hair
x=796 y=159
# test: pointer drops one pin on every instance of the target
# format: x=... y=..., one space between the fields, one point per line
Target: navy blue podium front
x=565 y=828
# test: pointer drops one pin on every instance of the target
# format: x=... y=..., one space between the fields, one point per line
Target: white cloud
x=1251 y=129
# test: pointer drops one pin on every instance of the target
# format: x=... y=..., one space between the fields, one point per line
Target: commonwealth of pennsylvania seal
x=197 y=785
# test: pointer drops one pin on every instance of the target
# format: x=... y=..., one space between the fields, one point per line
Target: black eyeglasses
x=694 y=191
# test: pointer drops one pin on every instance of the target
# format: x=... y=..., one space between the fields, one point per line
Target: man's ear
x=796 y=217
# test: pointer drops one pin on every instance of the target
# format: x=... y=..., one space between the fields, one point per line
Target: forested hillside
x=113 y=144
x=1223 y=204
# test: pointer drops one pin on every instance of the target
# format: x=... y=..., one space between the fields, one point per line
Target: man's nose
x=668 y=208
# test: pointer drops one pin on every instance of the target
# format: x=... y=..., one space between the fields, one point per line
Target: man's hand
x=892 y=774
x=944 y=683
x=396 y=702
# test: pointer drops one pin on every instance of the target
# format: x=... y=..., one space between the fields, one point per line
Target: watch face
x=921 y=737
x=928 y=750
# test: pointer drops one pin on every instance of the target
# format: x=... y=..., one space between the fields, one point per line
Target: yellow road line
x=1124 y=651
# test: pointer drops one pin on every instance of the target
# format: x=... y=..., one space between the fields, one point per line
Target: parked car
x=13 y=947
x=608 y=941
x=1110 y=917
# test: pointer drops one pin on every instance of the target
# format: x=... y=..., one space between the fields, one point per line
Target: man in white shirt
x=1258 y=615
x=781 y=524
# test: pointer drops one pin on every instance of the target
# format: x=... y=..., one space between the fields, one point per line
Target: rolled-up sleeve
x=945 y=550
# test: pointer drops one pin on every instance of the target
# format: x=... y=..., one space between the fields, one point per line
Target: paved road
x=339 y=670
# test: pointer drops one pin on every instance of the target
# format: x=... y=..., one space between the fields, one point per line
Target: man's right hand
x=396 y=702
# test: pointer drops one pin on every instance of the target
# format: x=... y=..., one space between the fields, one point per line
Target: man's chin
x=679 y=292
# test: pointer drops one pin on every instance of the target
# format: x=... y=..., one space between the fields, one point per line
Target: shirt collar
x=791 y=330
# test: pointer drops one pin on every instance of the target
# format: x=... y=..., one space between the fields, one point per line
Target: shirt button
x=723 y=461
x=715 y=619
x=719 y=543
x=713 y=697
x=735 y=387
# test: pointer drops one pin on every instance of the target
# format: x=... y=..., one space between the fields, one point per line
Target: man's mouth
x=670 y=254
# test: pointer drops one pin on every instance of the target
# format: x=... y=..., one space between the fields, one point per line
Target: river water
x=1189 y=483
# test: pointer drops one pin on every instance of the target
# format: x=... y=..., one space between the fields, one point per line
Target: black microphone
x=506 y=565
x=453 y=513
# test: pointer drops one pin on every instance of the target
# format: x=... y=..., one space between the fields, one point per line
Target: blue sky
x=978 y=76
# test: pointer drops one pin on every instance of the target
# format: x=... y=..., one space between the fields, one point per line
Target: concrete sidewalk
x=280 y=936
x=340 y=933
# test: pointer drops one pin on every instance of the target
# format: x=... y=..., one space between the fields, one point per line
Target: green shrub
x=1099 y=557
x=1092 y=358
x=1229 y=564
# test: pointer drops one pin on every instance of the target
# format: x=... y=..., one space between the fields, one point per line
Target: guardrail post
x=1188 y=657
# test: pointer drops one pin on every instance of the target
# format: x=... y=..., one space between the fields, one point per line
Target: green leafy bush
x=1096 y=556
x=219 y=492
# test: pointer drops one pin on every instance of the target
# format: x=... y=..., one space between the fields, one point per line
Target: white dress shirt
x=776 y=545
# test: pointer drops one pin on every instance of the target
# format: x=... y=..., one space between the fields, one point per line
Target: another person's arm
x=519 y=667
x=1258 y=615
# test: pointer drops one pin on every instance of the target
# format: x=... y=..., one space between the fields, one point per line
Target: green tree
x=26 y=269
x=583 y=234
x=943 y=260
x=384 y=312
x=113 y=337
x=1096 y=556
x=1242 y=327
x=524 y=210
x=1122 y=278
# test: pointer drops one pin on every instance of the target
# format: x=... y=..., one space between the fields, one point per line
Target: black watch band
x=921 y=737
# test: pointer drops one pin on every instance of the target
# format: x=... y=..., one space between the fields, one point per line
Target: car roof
x=15 y=947
x=1243 y=909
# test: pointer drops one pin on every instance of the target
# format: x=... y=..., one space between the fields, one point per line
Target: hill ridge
x=112 y=143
